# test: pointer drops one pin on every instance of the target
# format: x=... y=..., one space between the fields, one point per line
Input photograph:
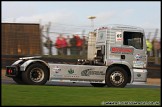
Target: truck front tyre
x=116 y=77
x=35 y=74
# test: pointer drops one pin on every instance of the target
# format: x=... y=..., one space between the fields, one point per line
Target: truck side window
x=134 y=39
x=99 y=53
x=99 y=56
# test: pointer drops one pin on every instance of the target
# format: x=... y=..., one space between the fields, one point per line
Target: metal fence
x=151 y=34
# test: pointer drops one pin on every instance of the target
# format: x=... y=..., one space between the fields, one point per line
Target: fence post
x=155 y=49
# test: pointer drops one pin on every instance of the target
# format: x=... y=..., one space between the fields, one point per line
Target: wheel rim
x=117 y=78
x=37 y=75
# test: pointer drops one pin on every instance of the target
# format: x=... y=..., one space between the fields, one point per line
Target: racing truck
x=116 y=57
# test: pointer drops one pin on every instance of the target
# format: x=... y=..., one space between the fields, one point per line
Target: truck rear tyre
x=35 y=74
x=18 y=80
x=116 y=77
x=97 y=84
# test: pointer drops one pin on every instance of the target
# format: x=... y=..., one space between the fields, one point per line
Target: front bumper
x=140 y=75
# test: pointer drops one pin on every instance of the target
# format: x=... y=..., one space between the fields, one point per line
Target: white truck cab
x=116 y=56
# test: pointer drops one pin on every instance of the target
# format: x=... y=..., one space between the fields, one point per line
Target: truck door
x=134 y=49
x=100 y=42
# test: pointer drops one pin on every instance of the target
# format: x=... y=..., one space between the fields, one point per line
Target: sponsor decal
x=139 y=64
x=138 y=56
x=88 y=72
x=110 y=62
x=71 y=76
x=57 y=76
x=71 y=71
x=121 y=50
x=119 y=37
x=138 y=75
x=101 y=36
x=56 y=69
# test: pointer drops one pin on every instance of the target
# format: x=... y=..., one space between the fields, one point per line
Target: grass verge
x=29 y=95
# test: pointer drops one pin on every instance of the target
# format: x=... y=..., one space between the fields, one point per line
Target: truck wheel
x=97 y=84
x=18 y=80
x=116 y=77
x=35 y=74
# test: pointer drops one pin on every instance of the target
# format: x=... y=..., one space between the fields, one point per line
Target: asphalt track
x=50 y=83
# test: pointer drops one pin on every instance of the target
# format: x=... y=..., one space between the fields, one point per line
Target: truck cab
x=123 y=43
x=120 y=45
